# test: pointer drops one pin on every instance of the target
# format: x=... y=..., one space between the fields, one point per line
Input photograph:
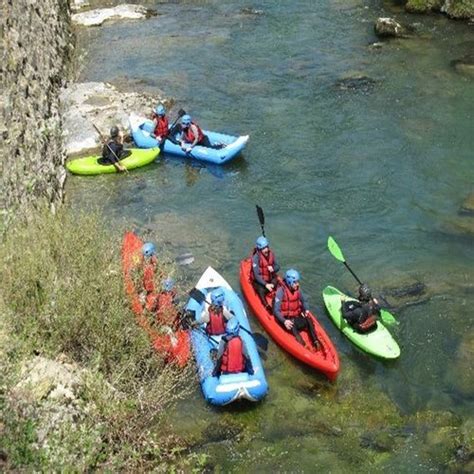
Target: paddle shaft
x=261 y=218
x=352 y=273
x=104 y=141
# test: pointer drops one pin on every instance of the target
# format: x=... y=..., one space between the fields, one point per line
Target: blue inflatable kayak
x=228 y=387
x=141 y=128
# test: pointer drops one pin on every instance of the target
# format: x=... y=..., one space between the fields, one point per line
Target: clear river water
x=382 y=163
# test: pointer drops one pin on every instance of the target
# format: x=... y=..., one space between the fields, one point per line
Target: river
x=383 y=167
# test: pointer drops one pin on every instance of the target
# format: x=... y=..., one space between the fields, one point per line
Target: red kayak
x=325 y=360
x=174 y=345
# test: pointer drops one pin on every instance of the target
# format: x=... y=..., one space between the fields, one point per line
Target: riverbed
x=370 y=144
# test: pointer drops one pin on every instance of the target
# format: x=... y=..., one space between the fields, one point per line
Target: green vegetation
x=64 y=312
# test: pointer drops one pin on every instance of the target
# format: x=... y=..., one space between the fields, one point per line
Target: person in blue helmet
x=291 y=308
x=192 y=135
x=161 y=123
x=150 y=263
x=232 y=356
x=216 y=314
x=264 y=269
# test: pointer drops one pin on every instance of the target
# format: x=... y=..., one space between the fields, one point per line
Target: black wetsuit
x=108 y=157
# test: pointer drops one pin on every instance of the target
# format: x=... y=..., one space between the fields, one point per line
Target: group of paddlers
x=282 y=297
x=185 y=133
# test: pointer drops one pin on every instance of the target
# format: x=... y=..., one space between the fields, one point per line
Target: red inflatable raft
x=175 y=345
x=326 y=360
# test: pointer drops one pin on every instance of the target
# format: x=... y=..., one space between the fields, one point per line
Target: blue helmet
x=232 y=327
x=160 y=110
x=186 y=120
x=218 y=297
x=167 y=284
x=292 y=276
x=148 y=249
x=262 y=242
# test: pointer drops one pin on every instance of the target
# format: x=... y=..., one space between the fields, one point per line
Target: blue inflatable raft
x=141 y=128
x=228 y=387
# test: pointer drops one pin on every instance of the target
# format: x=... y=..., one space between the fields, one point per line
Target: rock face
x=95 y=103
x=124 y=11
x=37 y=47
x=388 y=28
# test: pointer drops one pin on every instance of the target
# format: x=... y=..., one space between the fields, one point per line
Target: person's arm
x=204 y=316
x=190 y=146
x=227 y=314
x=277 y=306
x=256 y=270
x=217 y=364
x=248 y=360
x=276 y=266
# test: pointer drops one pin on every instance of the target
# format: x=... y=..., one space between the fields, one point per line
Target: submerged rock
x=464 y=66
x=124 y=11
x=95 y=103
x=251 y=11
x=185 y=258
x=467 y=207
x=389 y=28
x=356 y=83
x=461 y=374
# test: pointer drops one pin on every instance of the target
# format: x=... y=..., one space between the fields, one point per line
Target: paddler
x=150 y=262
x=291 y=309
x=264 y=270
x=192 y=135
x=113 y=151
x=362 y=315
x=232 y=355
x=161 y=131
x=216 y=315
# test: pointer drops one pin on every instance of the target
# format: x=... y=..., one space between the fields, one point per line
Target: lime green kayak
x=89 y=165
x=379 y=343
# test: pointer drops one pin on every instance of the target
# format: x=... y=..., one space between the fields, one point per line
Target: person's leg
x=296 y=331
x=262 y=292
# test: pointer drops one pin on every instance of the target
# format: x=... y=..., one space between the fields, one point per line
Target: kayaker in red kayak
x=161 y=124
x=232 y=355
x=216 y=315
x=167 y=311
x=264 y=270
x=149 y=295
x=362 y=315
x=291 y=309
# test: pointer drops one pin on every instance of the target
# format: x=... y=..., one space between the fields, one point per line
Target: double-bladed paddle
x=336 y=252
x=260 y=339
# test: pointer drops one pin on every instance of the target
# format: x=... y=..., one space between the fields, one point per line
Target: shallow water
x=383 y=169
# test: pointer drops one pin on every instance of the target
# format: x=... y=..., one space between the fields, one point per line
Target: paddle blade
x=387 y=318
x=260 y=340
x=261 y=215
x=335 y=250
x=197 y=295
x=181 y=112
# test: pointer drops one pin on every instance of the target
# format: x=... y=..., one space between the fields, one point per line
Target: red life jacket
x=216 y=324
x=368 y=324
x=291 y=306
x=188 y=135
x=149 y=274
x=233 y=360
x=167 y=313
x=162 y=126
x=264 y=263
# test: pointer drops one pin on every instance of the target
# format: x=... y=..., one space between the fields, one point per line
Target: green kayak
x=89 y=165
x=379 y=343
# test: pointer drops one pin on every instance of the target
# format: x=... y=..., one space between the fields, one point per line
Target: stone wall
x=459 y=9
x=36 y=49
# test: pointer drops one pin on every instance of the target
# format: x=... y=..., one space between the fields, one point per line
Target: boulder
x=356 y=83
x=389 y=28
x=95 y=103
x=464 y=66
x=467 y=207
x=99 y=16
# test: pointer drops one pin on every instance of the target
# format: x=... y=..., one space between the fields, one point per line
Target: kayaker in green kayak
x=291 y=309
x=232 y=356
x=113 y=151
x=362 y=314
x=264 y=269
x=216 y=315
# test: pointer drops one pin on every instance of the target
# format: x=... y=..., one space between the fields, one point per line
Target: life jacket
x=188 y=135
x=233 y=360
x=291 y=306
x=368 y=325
x=162 y=126
x=149 y=267
x=263 y=264
x=167 y=312
x=216 y=324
